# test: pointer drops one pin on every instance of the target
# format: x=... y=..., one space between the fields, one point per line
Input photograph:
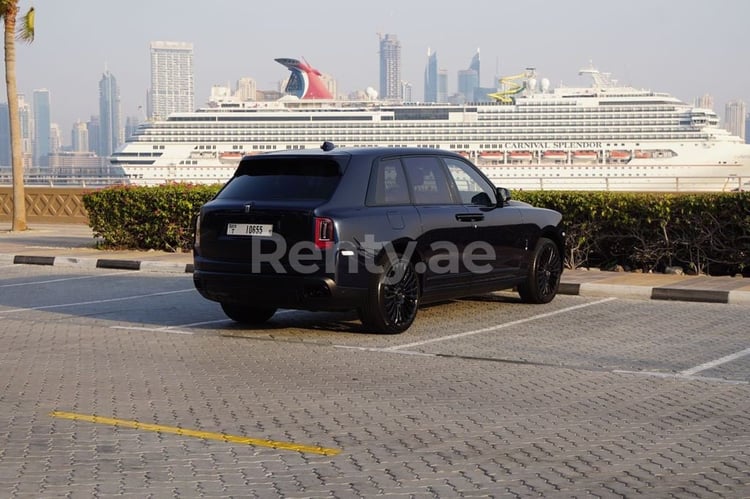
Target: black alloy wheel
x=545 y=271
x=394 y=298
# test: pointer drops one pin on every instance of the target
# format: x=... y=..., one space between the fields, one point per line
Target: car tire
x=393 y=298
x=545 y=270
x=245 y=314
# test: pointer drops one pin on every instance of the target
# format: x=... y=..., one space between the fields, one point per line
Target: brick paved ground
x=527 y=401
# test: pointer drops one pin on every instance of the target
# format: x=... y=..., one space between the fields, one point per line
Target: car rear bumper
x=278 y=290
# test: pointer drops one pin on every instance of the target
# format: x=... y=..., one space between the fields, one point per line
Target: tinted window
x=388 y=184
x=294 y=179
x=471 y=186
x=428 y=180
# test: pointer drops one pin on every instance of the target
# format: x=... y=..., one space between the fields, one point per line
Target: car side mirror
x=481 y=199
x=503 y=196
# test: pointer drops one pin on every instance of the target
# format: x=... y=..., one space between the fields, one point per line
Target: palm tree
x=9 y=11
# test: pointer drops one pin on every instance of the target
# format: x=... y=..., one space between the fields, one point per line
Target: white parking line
x=62 y=279
x=95 y=302
x=170 y=329
x=167 y=329
x=499 y=326
x=689 y=374
x=655 y=374
x=714 y=363
x=173 y=329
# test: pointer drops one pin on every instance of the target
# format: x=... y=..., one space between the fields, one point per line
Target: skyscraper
x=247 y=89
x=390 y=67
x=475 y=65
x=468 y=79
x=172 y=86
x=42 y=123
x=55 y=138
x=27 y=131
x=442 y=85
x=93 y=127
x=431 y=78
x=79 y=137
x=407 y=91
x=734 y=114
x=131 y=125
x=5 y=159
x=110 y=127
x=705 y=101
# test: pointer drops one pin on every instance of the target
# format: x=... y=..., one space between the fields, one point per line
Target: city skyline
x=646 y=45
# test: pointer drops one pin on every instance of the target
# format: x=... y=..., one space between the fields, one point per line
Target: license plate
x=260 y=230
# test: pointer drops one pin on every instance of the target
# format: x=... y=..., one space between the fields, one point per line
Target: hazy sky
x=685 y=47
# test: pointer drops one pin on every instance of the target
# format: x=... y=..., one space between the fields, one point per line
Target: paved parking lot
x=129 y=383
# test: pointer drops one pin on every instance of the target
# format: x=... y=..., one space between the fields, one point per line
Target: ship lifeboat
x=555 y=155
x=491 y=154
x=519 y=155
x=585 y=155
x=619 y=154
x=639 y=154
x=465 y=154
x=231 y=157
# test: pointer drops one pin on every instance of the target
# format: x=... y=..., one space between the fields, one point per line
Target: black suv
x=379 y=230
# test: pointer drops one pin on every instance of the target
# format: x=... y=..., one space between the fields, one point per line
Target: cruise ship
x=603 y=136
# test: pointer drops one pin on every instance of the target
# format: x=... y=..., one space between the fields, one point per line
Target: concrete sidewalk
x=75 y=245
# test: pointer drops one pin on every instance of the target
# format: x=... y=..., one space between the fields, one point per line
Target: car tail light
x=324 y=237
x=197 y=236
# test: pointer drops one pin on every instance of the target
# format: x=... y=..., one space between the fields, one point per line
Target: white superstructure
x=601 y=137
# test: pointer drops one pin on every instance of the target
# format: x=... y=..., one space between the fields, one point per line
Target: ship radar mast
x=601 y=80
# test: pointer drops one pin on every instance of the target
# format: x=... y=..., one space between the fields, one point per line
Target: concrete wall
x=47 y=204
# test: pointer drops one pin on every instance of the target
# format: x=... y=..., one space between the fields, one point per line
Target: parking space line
x=95 y=302
x=206 y=435
x=680 y=375
x=689 y=374
x=58 y=280
x=170 y=329
x=499 y=326
x=714 y=363
x=165 y=329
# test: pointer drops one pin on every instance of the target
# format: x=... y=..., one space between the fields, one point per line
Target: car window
x=388 y=184
x=288 y=179
x=428 y=180
x=472 y=188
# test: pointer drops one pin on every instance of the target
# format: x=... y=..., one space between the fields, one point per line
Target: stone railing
x=46 y=204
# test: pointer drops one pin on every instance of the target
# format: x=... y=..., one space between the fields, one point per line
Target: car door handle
x=469 y=217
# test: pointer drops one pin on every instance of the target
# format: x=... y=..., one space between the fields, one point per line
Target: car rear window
x=292 y=179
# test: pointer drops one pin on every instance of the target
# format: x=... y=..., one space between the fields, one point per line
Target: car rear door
x=445 y=226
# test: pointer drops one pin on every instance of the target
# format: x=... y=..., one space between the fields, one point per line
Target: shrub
x=704 y=233
x=137 y=217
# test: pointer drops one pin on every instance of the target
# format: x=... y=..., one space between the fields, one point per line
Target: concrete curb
x=586 y=289
x=99 y=263
x=663 y=293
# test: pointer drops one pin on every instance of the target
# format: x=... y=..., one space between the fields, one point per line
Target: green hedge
x=702 y=233
x=706 y=233
x=159 y=217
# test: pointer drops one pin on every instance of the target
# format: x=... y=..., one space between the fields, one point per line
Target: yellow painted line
x=206 y=435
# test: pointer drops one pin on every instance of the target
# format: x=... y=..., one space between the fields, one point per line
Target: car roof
x=358 y=151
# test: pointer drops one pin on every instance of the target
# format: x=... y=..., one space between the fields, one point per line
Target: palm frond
x=26 y=29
